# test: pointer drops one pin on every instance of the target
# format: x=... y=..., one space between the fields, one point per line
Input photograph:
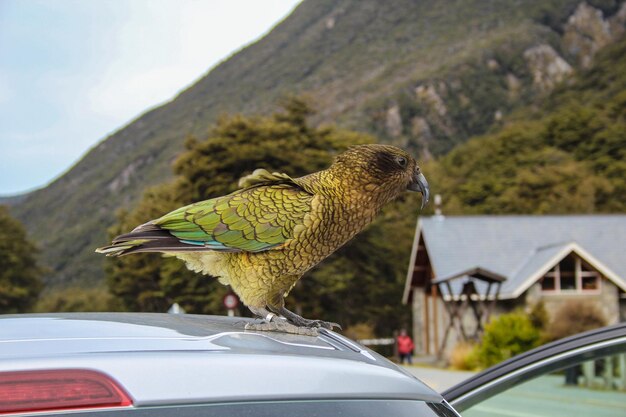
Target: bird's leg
x=302 y=322
x=276 y=304
x=262 y=313
x=275 y=323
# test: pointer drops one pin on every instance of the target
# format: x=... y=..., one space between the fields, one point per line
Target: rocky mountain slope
x=566 y=155
x=425 y=75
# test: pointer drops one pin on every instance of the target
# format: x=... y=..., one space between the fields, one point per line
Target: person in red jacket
x=405 y=346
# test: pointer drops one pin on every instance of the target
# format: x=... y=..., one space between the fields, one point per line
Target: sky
x=74 y=71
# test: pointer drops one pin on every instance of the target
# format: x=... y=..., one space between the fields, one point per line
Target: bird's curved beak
x=419 y=183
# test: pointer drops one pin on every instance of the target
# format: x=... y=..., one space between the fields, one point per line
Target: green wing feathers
x=257 y=218
x=251 y=220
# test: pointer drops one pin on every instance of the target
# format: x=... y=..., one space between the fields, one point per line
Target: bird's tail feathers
x=120 y=248
x=146 y=238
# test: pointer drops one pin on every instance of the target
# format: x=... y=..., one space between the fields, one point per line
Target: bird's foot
x=317 y=324
x=279 y=324
x=283 y=320
x=302 y=322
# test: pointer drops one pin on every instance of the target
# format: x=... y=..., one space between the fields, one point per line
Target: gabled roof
x=522 y=248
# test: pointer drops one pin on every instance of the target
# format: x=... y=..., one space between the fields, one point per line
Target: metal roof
x=522 y=248
x=184 y=359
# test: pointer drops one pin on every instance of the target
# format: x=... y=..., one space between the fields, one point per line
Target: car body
x=584 y=374
x=183 y=365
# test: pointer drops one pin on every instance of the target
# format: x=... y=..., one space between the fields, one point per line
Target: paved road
x=438 y=379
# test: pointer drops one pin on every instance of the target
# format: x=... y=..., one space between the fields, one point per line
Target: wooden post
x=451 y=308
x=426 y=324
x=491 y=304
x=486 y=311
x=396 y=354
x=433 y=292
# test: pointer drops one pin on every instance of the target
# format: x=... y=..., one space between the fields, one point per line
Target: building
x=549 y=258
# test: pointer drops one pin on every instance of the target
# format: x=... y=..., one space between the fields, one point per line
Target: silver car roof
x=179 y=359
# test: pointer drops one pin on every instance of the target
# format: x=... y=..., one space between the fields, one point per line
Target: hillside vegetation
x=567 y=156
x=424 y=75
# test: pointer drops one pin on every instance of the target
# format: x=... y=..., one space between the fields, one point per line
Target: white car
x=131 y=364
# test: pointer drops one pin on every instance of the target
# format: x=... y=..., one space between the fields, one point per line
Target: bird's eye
x=401 y=160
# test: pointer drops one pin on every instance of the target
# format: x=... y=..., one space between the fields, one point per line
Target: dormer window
x=571 y=275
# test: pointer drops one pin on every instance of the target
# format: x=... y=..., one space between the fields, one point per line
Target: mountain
x=565 y=156
x=426 y=75
x=12 y=199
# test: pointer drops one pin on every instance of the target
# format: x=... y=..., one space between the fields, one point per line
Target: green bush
x=507 y=336
x=20 y=276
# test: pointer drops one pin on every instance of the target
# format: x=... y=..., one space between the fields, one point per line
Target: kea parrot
x=263 y=237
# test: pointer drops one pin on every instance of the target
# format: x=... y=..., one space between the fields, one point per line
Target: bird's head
x=382 y=168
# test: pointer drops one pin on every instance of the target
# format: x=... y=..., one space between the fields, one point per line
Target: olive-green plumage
x=262 y=238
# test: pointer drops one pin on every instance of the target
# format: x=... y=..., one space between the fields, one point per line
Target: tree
x=567 y=155
x=20 y=277
x=558 y=165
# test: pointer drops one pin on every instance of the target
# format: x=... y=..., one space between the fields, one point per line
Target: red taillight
x=28 y=391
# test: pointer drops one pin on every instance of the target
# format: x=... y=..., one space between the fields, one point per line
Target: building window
x=571 y=275
x=548 y=283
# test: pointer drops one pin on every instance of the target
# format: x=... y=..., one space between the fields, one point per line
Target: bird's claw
x=329 y=325
x=302 y=322
x=282 y=326
x=281 y=319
